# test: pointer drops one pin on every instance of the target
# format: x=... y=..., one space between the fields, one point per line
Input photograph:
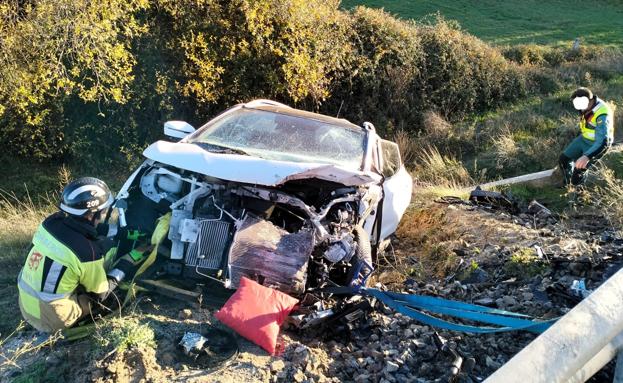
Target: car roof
x=275 y=107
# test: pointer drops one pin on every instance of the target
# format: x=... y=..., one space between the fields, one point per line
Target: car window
x=391 y=158
x=287 y=138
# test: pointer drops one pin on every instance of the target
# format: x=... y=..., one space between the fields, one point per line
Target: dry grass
x=424 y=245
x=20 y=216
x=19 y=219
x=433 y=168
x=438 y=131
x=9 y=356
x=408 y=148
x=608 y=195
x=507 y=152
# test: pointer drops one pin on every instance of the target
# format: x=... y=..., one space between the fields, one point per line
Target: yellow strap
x=159 y=235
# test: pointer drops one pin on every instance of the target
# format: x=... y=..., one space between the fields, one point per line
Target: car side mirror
x=177 y=129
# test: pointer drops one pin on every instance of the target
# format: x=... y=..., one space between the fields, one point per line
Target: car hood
x=249 y=169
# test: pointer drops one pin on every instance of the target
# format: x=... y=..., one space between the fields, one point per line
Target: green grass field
x=519 y=22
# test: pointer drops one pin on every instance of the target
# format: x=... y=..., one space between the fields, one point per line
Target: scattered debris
x=211 y=350
x=444 y=346
x=380 y=345
x=493 y=200
x=185 y=314
x=537 y=209
x=192 y=343
x=578 y=287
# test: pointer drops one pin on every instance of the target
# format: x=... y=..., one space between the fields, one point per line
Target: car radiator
x=209 y=248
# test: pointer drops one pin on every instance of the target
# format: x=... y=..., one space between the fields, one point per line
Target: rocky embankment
x=527 y=263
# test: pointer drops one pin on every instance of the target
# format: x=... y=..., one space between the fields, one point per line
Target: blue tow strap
x=414 y=306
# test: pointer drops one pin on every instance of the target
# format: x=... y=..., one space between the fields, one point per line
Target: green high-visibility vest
x=588 y=121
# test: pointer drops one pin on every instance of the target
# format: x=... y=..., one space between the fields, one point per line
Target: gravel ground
x=388 y=347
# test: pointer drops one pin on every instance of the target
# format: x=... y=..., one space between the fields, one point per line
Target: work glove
x=112 y=285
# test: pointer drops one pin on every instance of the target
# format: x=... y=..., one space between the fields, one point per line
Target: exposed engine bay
x=302 y=234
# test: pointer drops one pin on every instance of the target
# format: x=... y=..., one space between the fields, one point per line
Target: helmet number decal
x=93 y=203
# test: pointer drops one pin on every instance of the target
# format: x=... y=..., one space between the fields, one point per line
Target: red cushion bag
x=256 y=312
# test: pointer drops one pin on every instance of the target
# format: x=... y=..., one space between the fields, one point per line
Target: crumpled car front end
x=304 y=232
x=288 y=198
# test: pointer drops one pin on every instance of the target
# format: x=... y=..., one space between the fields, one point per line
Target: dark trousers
x=567 y=159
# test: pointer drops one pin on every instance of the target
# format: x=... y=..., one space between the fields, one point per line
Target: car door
x=397 y=187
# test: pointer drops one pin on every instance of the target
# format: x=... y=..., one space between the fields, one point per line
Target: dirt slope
x=524 y=263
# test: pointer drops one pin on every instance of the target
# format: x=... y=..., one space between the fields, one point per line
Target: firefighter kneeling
x=65 y=268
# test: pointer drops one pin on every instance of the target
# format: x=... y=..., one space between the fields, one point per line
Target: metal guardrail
x=577 y=345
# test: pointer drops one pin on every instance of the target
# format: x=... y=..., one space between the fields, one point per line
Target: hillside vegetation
x=89 y=84
x=556 y=22
x=82 y=79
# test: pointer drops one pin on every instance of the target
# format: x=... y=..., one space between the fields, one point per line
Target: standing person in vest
x=596 y=136
x=64 y=269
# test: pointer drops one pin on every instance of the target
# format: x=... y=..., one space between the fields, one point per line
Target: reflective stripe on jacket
x=588 y=121
x=65 y=254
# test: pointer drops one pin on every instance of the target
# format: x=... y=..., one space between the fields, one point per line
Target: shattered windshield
x=281 y=137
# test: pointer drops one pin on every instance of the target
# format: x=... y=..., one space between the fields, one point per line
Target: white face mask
x=580 y=103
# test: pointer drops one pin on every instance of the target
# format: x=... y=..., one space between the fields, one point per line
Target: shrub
x=245 y=49
x=122 y=333
x=528 y=54
x=56 y=49
x=146 y=62
x=465 y=75
x=543 y=81
x=383 y=81
x=540 y=55
x=583 y=53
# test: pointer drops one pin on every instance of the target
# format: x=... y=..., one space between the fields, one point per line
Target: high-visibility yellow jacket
x=597 y=127
x=65 y=254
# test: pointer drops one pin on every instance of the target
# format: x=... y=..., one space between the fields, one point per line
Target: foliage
x=464 y=74
x=246 y=49
x=384 y=80
x=533 y=54
x=91 y=82
x=401 y=71
x=123 y=333
x=94 y=80
x=54 y=49
x=525 y=264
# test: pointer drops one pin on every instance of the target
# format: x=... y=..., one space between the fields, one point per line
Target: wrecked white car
x=286 y=197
